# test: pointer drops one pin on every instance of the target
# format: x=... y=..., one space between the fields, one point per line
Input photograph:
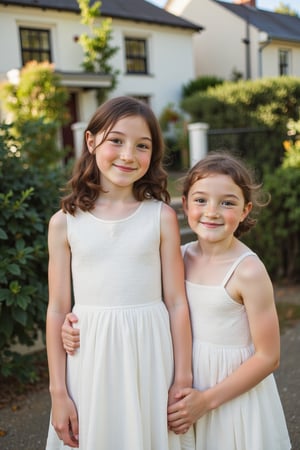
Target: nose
x=126 y=153
x=211 y=210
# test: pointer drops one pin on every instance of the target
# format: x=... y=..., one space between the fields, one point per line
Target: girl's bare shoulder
x=58 y=221
x=251 y=267
x=168 y=213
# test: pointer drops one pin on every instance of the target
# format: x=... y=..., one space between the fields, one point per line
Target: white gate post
x=78 y=130
x=197 y=141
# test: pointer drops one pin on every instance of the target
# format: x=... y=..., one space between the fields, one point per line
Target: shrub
x=28 y=197
x=278 y=233
x=200 y=84
x=173 y=125
x=261 y=104
x=31 y=173
x=37 y=107
x=276 y=237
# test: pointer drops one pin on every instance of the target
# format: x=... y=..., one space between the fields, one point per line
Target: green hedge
x=28 y=197
x=264 y=104
x=276 y=237
x=270 y=106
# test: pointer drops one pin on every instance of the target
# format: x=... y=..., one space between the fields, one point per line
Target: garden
x=33 y=169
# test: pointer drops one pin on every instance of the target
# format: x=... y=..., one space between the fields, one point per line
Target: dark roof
x=277 y=26
x=137 y=10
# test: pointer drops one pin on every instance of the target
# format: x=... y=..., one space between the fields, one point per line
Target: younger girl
x=234 y=403
x=117 y=242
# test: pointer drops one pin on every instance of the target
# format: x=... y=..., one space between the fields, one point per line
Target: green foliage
x=273 y=151
x=276 y=237
x=284 y=8
x=292 y=145
x=200 y=84
x=173 y=125
x=282 y=243
x=236 y=75
x=261 y=104
x=97 y=45
x=31 y=174
x=37 y=109
x=267 y=102
x=169 y=115
x=28 y=197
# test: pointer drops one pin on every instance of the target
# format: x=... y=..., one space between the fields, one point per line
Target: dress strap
x=234 y=266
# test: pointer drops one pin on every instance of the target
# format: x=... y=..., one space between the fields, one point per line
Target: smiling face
x=124 y=156
x=215 y=206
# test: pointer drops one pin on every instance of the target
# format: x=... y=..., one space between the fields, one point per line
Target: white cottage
x=155 y=56
x=240 y=38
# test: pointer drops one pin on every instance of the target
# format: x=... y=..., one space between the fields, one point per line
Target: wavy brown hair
x=85 y=187
x=226 y=164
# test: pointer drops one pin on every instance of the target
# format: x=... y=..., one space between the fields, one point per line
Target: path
x=27 y=425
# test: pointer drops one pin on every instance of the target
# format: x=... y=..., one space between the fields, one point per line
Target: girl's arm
x=175 y=300
x=255 y=288
x=64 y=415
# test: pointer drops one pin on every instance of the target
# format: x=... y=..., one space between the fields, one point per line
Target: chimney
x=246 y=2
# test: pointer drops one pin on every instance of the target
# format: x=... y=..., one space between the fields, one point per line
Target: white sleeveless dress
x=221 y=343
x=119 y=378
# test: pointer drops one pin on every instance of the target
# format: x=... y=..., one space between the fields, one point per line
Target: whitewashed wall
x=170 y=50
x=219 y=48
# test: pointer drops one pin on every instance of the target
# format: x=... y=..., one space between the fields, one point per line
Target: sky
x=261 y=4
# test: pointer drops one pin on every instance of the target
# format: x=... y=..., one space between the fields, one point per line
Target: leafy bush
x=261 y=104
x=28 y=197
x=292 y=145
x=37 y=107
x=276 y=237
x=279 y=240
x=31 y=173
x=174 y=128
x=200 y=84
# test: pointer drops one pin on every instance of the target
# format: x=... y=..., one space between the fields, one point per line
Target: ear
x=90 y=141
x=184 y=205
x=246 y=211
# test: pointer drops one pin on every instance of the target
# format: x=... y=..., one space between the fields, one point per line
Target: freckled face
x=125 y=155
x=215 y=206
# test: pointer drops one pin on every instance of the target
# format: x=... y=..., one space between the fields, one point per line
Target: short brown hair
x=224 y=163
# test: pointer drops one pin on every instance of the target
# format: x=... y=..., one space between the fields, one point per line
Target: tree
x=37 y=108
x=96 y=46
x=284 y=8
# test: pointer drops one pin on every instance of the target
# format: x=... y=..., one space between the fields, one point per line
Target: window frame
x=39 y=50
x=284 y=66
x=140 y=57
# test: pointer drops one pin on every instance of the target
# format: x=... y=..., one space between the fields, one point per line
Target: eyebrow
x=123 y=134
x=223 y=195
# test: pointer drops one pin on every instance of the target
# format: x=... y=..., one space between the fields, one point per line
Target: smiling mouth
x=211 y=224
x=125 y=168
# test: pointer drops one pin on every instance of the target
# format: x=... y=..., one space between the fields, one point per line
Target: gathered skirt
x=253 y=420
x=119 y=380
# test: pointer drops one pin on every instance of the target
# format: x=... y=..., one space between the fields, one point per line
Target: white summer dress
x=119 y=378
x=221 y=343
